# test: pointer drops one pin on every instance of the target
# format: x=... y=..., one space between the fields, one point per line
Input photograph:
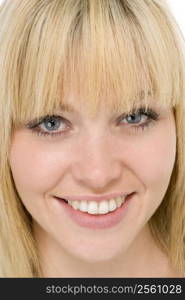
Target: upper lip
x=92 y=197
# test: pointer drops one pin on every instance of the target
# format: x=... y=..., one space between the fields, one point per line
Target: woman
x=92 y=140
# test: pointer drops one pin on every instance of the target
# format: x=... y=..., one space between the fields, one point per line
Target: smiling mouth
x=98 y=207
x=95 y=215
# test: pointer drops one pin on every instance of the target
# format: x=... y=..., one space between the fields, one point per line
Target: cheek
x=154 y=159
x=35 y=168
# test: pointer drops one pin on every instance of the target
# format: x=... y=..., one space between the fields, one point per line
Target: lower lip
x=105 y=221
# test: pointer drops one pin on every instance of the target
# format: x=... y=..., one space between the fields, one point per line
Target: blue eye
x=135 y=118
x=49 y=125
x=57 y=125
x=140 y=119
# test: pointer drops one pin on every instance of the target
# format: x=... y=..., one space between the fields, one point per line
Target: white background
x=178 y=9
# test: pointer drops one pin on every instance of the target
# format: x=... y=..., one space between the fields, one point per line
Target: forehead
x=78 y=104
x=75 y=103
x=113 y=67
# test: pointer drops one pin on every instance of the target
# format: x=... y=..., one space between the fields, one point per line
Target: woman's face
x=100 y=160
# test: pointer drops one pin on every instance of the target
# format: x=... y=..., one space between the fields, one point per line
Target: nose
x=97 y=165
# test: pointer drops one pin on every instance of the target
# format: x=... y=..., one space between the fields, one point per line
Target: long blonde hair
x=123 y=50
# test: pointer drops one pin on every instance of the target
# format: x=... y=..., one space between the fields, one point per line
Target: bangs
x=111 y=52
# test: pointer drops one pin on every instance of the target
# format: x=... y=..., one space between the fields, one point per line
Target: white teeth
x=75 y=204
x=83 y=206
x=112 y=205
x=103 y=207
x=93 y=207
x=119 y=201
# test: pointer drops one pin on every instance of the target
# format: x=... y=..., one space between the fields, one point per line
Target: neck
x=142 y=259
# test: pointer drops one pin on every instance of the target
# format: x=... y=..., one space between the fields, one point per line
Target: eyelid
x=37 y=122
x=150 y=113
x=141 y=110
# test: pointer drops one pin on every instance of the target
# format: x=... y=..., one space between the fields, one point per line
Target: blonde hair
x=112 y=51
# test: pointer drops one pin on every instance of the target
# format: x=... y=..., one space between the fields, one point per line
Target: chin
x=93 y=255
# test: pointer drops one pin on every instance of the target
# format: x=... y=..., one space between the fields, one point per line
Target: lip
x=105 y=221
x=96 y=198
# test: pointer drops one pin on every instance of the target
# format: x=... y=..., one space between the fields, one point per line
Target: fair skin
x=96 y=156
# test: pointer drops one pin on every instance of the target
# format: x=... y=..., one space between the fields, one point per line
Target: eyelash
x=149 y=113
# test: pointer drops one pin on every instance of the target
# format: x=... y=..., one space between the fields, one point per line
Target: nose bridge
x=96 y=164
